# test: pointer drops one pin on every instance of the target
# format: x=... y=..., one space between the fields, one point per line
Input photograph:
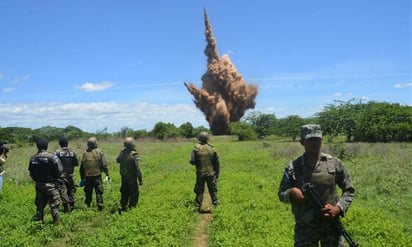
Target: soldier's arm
x=286 y=184
x=344 y=181
x=139 y=172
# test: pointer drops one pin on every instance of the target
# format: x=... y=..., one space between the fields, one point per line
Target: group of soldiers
x=53 y=174
x=312 y=177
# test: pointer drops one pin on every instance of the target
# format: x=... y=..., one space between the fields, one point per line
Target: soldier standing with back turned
x=92 y=165
x=204 y=157
x=130 y=173
x=45 y=168
x=67 y=186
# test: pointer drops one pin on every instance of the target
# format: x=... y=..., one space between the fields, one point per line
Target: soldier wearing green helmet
x=206 y=160
x=130 y=174
x=92 y=164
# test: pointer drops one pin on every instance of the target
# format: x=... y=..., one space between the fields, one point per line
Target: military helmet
x=92 y=142
x=203 y=136
x=129 y=142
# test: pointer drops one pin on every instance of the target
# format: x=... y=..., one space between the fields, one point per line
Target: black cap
x=63 y=142
x=42 y=144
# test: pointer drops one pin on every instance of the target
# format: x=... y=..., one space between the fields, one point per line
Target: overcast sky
x=96 y=64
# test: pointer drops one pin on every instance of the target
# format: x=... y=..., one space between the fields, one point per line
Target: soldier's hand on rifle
x=330 y=211
x=297 y=195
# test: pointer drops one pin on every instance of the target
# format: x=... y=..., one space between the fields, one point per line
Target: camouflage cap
x=310 y=131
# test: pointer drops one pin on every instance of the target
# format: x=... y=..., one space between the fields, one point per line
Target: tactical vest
x=204 y=156
x=128 y=163
x=68 y=159
x=91 y=163
x=323 y=179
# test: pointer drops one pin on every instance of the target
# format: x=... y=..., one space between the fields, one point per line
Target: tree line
x=355 y=120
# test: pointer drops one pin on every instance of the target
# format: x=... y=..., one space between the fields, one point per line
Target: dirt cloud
x=224 y=96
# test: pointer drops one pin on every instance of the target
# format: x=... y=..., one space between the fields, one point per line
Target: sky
x=114 y=64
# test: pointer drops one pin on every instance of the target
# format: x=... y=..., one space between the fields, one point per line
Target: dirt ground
x=205 y=217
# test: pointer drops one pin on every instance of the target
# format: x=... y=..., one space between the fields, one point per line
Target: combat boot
x=38 y=216
x=66 y=208
x=56 y=219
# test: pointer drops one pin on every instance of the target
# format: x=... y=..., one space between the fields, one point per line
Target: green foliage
x=186 y=130
x=370 y=122
x=290 y=126
x=164 y=130
x=250 y=214
x=243 y=130
x=264 y=124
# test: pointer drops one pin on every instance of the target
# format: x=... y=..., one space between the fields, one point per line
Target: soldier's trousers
x=67 y=188
x=95 y=183
x=129 y=190
x=210 y=180
x=47 y=193
x=309 y=235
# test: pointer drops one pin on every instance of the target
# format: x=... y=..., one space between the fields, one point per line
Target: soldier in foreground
x=206 y=160
x=92 y=165
x=67 y=185
x=3 y=157
x=130 y=174
x=45 y=168
x=323 y=172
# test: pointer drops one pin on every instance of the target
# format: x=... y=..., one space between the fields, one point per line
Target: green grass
x=250 y=213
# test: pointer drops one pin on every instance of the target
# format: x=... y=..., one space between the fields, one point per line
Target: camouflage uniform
x=130 y=174
x=206 y=160
x=310 y=225
x=92 y=165
x=3 y=157
x=45 y=168
x=67 y=185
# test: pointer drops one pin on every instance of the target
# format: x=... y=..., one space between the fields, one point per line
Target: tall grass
x=250 y=213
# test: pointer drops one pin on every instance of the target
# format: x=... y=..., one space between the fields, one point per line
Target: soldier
x=92 y=165
x=67 y=186
x=45 y=168
x=130 y=174
x=3 y=157
x=206 y=160
x=324 y=172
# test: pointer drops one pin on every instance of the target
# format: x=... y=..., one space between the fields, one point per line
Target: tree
x=125 y=132
x=186 y=130
x=164 y=130
x=263 y=124
x=243 y=130
x=290 y=126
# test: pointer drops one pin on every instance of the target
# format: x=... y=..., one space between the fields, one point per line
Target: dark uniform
x=92 y=165
x=130 y=174
x=67 y=185
x=45 y=168
x=311 y=226
x=206 y=160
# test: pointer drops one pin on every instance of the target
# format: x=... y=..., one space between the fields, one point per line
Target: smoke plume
x=224 y=96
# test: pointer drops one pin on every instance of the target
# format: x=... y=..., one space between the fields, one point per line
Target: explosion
x=224 y=96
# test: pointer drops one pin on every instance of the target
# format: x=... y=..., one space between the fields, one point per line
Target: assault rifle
x=309 y=191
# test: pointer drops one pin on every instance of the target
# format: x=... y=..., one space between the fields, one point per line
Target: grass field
x=250 y=213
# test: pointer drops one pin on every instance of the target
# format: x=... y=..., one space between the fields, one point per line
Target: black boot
x=71 y=206
x=56 y=219
x=38 y=216
x=66 y=208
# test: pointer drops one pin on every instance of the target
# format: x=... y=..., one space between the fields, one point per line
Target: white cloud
x=337 y=94
x=1 y=76
x=101 y=86
x=8 y=90
x=20 y=79
x=98 y=115
x=403 y=85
